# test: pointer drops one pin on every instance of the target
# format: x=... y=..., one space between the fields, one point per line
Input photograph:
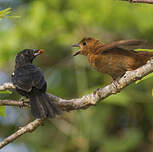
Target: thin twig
x=139 y=1
x=28 y=128
x=14 y=103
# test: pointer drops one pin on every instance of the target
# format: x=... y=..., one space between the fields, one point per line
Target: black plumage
x=30 y=82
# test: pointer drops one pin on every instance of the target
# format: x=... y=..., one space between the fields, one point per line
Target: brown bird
x=112 y=58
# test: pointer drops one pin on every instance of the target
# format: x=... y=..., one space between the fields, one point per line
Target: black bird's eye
x=84 y=43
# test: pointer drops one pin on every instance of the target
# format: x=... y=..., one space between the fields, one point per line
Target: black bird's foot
x=22 y=102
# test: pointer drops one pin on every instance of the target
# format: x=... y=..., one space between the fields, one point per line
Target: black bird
x=29 y=82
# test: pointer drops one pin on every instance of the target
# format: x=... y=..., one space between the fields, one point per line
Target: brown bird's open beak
x=76 y=45
x=38 y=52
x=78 y=52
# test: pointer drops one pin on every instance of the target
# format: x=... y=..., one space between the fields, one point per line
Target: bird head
x=27 y=55
x=87 y=46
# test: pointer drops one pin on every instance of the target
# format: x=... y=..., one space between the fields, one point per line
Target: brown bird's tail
x=43 y=107
x=144 y=56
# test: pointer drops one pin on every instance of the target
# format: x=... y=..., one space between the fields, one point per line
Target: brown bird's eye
x=84 y=43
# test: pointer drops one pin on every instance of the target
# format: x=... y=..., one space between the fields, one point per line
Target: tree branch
x=139 y=1
x=28 y=128
x=93 y=98
x=7 y=86
x=14 y=103
x=78 y=103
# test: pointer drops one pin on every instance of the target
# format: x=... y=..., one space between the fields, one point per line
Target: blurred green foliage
x=2 y=108
x=122 y=122
x=2 y=111
x=4 y=13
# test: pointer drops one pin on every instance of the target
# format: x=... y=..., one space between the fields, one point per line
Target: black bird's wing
x=27 y=77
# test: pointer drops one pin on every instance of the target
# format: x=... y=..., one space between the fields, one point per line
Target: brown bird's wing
x=125 y=44
x=119 y=51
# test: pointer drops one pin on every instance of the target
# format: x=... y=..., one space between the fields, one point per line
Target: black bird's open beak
x=38 y=52
x=78 y=52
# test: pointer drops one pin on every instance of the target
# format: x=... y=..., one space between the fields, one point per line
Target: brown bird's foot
x=115 y=84
x=96 y=92
x=150 y=61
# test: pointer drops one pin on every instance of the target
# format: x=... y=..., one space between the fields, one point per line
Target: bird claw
x=96 y=92
x=115 y=85
x=22 y=103
x=150 y=61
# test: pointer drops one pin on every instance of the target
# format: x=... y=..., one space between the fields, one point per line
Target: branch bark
x=14 y=103
x=93 y=98
x=140 y=1
x=78 y=103
x=28 y=128
x=7 y=86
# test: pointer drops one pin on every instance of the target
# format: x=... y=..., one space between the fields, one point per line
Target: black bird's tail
x=43 y=107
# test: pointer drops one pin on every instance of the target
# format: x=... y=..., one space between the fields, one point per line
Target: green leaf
x=144 y=78
x=146 y=50
x=6 y=92
x=12 y=16
x=2 y=111
x=7 y=14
